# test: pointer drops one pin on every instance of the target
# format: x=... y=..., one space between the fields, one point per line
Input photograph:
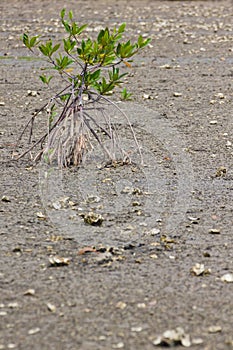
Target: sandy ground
x=138 y=281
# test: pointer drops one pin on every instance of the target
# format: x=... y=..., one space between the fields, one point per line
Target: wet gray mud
x=66 y=284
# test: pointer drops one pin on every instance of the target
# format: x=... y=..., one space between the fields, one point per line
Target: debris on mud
x=30 y=292
x=174 y=337
x=33 y=331
x=200 y=270
x=221 y=171
x=51 y=307
x=6 y=199
x=228 y=277
x=57 y=261
x=86 y=250
x=41 y=216
x=214 y=231
x=214 y=329
x=93 y=219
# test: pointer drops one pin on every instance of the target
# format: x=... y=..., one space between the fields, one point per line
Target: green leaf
x=62 y=14
x=63 y=62
x=142 y=43
x=125 y=95
x=64 y=97
x=121 y=29
x=96 y=75
x=54 y=49
x=30 y=43
x=81 y=29
x=66 y=26
x=70 y=15
x=34 y=41
x=44 y=50
x=45 y=79
x=68 y=45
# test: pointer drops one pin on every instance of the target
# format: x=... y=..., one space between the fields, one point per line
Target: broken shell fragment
x=93 y=219
x=228 y=277
x=57 y=261
x=214 y=329
x=173 y=337
x=199 y=270
x=214 y=231
x=51 y=307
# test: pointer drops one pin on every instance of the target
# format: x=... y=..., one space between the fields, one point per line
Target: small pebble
x=214 y=231
x=32 y=93
x=146 y=96
x=177 y=94
x=121 y=305
x=5 y=199
x=141 y=305
x=34 y=331
x=3 y=313
x=119 y=345
x=214 y=329
x=136 y=329
x=154 y=231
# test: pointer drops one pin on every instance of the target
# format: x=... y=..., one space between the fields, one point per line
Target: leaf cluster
x=84 y=61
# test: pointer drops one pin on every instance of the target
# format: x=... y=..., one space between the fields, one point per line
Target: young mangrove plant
x=88 y=71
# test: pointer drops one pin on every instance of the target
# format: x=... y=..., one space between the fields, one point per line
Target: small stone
x=136 y=203
x=30 y=292
x=166 y=66
x=104 y=258
x=51 y=307
x=102 y=337
x=5 y=199
x=213 y=122
x=228 y=144
x=56 y=205
x=121 y=305
x=2 y=103
x=141 y=305
x=214 y=231
x=154 y=256
x=3 y=313
x=34 y=331
x=136 y=329
x=41 y=216
x=13 y=305
x=32 y=93
x=177 y=94
x=146 y=96
x=214 y=329
x=220 y=96
x=221 y=171
x=93 y=219
x=199 y=270
x=172 y=257
x=194 y=220
x=59 y=261
x=197 y=341
x=228 y=277
x=154 y=231
x=119 y=345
